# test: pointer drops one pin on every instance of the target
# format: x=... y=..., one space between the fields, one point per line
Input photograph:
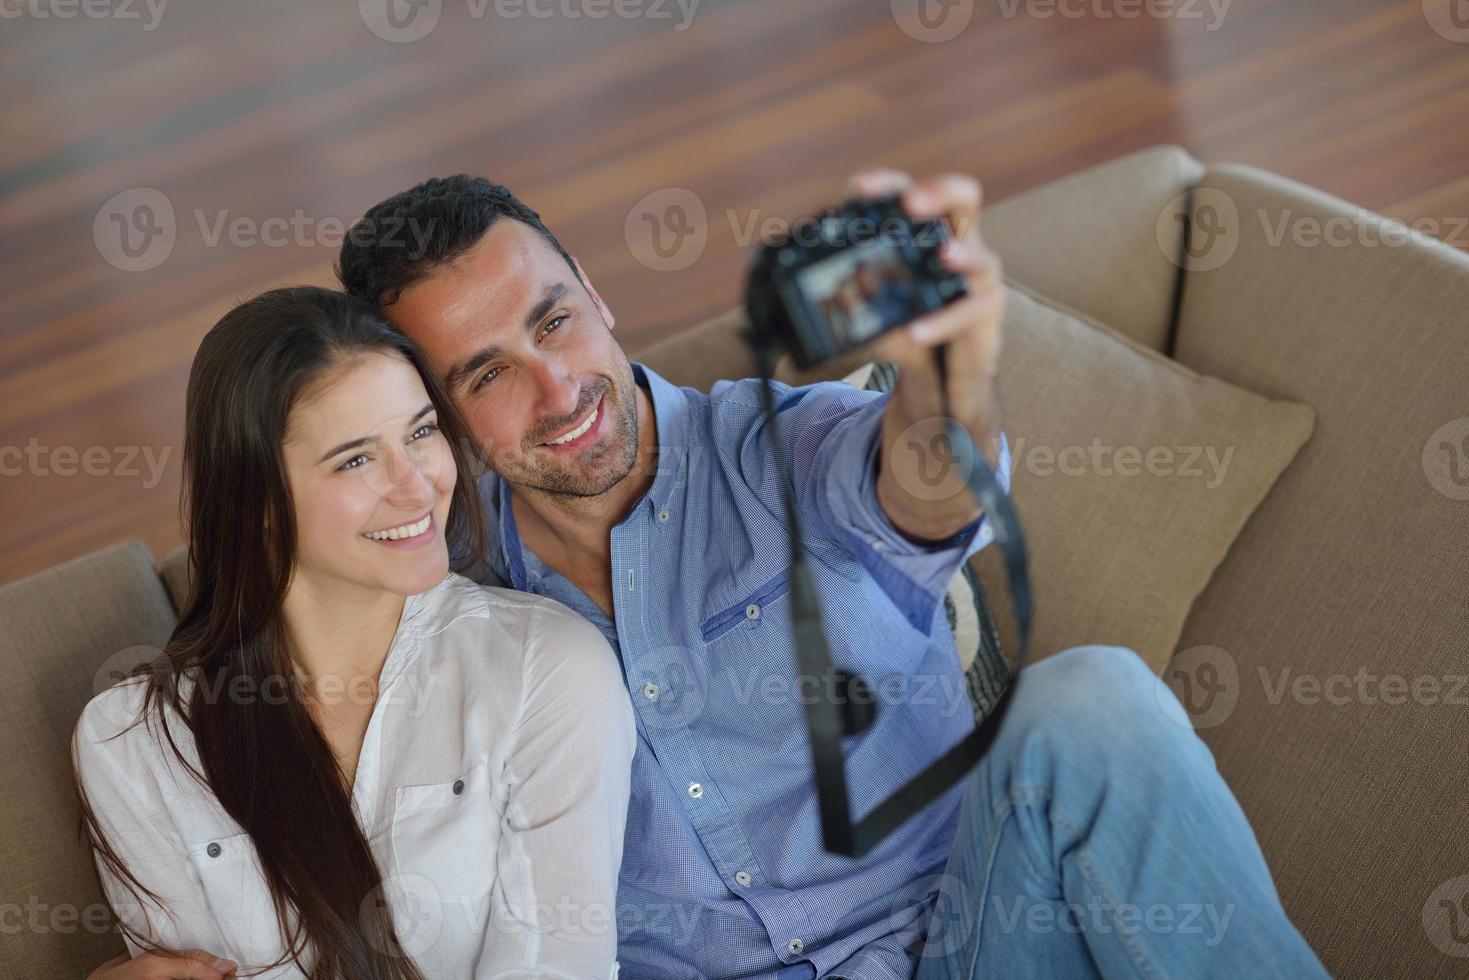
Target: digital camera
x=834 y=281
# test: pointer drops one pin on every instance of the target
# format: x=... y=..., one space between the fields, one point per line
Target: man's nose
x=558 y=390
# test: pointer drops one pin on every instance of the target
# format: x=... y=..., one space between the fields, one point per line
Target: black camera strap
x=830 y=719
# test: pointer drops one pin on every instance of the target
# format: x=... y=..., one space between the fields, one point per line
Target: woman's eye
x=354 y=463
x=425 y=430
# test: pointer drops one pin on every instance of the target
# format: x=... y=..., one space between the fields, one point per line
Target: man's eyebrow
x=366 y=440
x=470 y=365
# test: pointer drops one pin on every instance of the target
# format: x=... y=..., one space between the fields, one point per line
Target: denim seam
x=1091 y=871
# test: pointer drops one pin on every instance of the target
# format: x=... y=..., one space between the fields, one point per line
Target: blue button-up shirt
x=724 y=874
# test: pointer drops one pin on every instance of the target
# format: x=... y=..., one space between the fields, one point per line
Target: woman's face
x=371 y=477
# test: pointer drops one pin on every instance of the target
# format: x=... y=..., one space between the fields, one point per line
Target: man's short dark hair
x=402 y=241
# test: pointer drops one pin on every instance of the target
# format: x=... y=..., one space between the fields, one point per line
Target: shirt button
x=663 y=515
x=214 y=850
x=650 y=691
x=695 y=790
x=742 y=878
x=796 y=947
x=752 y=611
x=458 y=787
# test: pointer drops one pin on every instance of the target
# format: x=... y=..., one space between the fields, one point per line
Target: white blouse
x=492 y=789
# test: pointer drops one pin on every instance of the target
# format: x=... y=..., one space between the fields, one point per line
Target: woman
x=350 y=763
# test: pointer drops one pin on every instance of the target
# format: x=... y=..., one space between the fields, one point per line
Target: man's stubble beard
x=591 y=475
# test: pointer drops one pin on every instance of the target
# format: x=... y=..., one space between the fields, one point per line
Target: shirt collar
x=671 y=410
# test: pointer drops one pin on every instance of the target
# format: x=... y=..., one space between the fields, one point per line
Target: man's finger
x=879 y=182
x=956 y=198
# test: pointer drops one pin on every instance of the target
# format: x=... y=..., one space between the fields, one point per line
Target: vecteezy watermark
x=34 y=459
x=1446 y=917
x=1450 y=18
x=1207 y=681
x=1446 y=459
x=933 y=21
x=405 y=21
x=1096 y=917
x=1201 y=230
x=1207 y=463
x=1213 y=12
x=149 y=12
x=668 y=230
x=39 y=918
x=137 y=229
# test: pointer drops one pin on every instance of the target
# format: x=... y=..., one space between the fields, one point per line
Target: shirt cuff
x=915 y=576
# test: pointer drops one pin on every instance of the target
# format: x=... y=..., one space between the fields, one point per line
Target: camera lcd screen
x=855 y=294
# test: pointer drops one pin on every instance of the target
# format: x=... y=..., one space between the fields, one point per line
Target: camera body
x=835 y=281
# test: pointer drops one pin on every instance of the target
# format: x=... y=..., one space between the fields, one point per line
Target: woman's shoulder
x=121 y=732
x=457 y=598
x=537 y=626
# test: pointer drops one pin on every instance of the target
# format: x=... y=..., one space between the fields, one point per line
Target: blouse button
x=742 y=878
x=796 y=947
x=663 y=515
x=458 y=787
x=752 y=611
x=650 y=691
x=695 y=790
x=214 y=850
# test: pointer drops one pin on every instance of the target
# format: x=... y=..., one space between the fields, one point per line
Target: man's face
x=527 y=353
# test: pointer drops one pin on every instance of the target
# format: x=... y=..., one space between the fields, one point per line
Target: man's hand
x=920 y=486
x=194 y=964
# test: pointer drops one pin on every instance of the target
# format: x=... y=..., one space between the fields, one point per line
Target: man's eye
x=555 y=324
x=485 y=379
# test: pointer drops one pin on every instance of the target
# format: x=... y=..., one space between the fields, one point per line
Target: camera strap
x=830 y=719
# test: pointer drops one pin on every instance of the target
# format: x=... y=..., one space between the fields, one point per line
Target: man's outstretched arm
x=924 y=496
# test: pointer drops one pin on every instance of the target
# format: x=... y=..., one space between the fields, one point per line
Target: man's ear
x=592 y=292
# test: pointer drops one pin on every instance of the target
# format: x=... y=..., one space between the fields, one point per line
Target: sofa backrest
x=1354 y=569
x=67 y=632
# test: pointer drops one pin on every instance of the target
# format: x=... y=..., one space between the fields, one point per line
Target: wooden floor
x=276 y=109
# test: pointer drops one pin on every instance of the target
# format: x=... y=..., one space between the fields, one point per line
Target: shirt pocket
x=445 y=837
x=750 y=611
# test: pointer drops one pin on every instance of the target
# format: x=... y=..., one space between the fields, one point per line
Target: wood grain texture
x=300 y=112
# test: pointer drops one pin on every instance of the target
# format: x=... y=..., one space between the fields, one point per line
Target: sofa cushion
x=1103 y=240
x=68 y=631
x=1133 y=476
x=1341 y=617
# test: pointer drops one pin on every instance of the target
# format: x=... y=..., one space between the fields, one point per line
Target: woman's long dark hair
x=264 y=757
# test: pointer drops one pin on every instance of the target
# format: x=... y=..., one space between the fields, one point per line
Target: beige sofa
x=1354 y=564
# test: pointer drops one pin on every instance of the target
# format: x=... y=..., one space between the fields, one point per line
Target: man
x=654 y=511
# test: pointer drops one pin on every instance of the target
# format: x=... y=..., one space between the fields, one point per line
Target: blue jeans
x=1097 y=839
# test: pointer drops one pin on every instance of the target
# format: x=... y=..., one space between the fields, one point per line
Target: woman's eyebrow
x=364 y=440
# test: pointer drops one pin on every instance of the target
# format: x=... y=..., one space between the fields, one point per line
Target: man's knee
x=1091 y=698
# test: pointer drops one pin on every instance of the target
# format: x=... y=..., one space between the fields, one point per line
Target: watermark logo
x=1205 y=680
x=1446 y=459
x=1199 y=230
x=1446 y=917
x=150 y=12
x=1450 y=18
x=670 y=692
x=943 y=905
x=668 y=229
x=933 y=21
x=135 y=229
x=929 y=464
x=416 y=909
x=400 y=21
